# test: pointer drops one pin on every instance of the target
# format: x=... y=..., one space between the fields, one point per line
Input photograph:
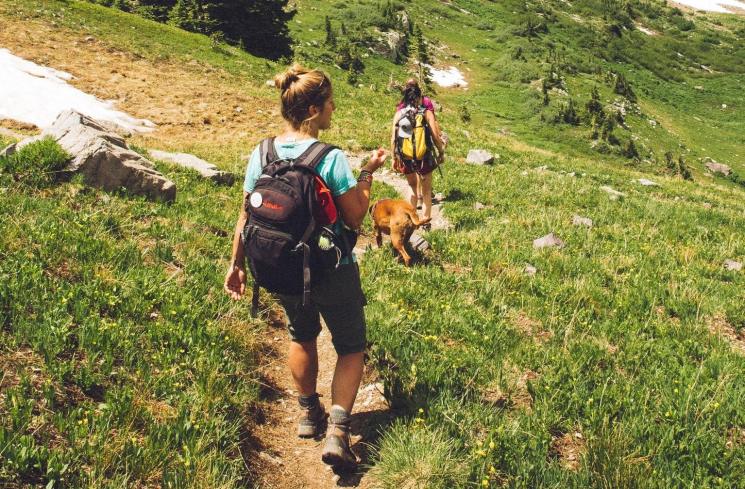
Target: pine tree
x=630 y=150
x=330 y=35
x=623 y=87
x=683 y=169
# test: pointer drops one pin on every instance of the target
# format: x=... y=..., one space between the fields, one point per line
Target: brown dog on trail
x=398 y=219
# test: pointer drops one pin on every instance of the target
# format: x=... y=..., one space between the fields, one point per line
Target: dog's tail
x=415 y=218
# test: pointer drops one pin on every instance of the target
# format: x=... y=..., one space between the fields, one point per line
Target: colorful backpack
x=413 y=137
x=288 y=240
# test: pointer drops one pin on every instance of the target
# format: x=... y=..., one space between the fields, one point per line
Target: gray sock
x=309 y=402
x=339 y=415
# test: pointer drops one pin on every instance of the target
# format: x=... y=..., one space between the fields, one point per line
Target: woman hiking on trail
x=307 y=105
x=418 y=171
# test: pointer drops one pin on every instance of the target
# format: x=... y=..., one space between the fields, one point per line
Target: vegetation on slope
x=618 y=364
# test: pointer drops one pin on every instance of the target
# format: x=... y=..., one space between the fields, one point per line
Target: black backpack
x=288 y=239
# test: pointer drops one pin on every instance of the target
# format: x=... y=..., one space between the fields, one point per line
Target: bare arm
x=396 y=117
x=235 y=279
x=355 y=202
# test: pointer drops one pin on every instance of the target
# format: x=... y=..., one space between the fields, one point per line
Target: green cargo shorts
x=338 y=298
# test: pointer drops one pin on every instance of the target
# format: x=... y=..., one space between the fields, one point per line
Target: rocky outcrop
x=392 y=44
x=716 y=167
x=205 y=169
x=480 y=157
x=103 y=158
x=548 y=241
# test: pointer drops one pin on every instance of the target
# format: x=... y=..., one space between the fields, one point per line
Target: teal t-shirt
x=334 y=169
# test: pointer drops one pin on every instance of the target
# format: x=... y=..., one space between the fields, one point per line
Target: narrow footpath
x=286 y=461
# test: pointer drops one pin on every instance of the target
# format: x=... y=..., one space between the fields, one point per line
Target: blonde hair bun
x=284 y=81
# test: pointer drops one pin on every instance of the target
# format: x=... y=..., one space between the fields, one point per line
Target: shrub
x=683 y=169
x=465 y=113
x=418 y=456
x=630 y=150
x=36 y=165
x=623 y=87
x=567 y=114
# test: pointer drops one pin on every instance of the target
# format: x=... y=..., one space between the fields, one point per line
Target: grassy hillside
x=618 y=364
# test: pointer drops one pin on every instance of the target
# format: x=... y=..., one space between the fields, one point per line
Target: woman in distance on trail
x=417 y=168
x=307 y=106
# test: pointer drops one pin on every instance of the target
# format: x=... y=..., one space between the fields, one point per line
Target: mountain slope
x=617 y=364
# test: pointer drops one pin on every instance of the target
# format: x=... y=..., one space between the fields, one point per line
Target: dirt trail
x=286 y=461
x=220 y=117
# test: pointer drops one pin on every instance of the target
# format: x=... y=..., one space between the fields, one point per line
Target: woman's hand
x=235 y=282
x=377 y=159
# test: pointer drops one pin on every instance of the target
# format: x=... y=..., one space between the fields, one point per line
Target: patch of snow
x=37 y=95
x=448 y=78
x=714 y=5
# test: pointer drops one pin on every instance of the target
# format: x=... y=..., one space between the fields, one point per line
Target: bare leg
x=411 y=178
x=419 y=189
x=427 y=194
x=303 y=362
x=347 y=377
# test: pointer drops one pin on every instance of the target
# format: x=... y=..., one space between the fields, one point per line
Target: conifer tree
x=330 y=35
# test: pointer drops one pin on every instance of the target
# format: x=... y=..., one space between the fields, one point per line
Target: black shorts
x=338 y=298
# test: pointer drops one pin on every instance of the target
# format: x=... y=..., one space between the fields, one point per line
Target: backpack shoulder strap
x=267 y=152
x=312 y=156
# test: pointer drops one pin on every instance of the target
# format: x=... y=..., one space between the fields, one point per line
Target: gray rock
x=479 y=206
x=582 y=221
x=103 y=158
x=204 y=168
x=614 y=194
x=530 y=270
x=647 y=183
x=9 y=150
x=732 y=265
x=480 y=157
x=417 y=242
x=392 y=43
x=548 y=241
x=715 y=167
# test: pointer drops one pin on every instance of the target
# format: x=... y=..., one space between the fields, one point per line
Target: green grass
x=123 y=362
x=606 y=353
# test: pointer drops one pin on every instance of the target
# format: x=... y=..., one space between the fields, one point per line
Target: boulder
x=103 y=157
x=204 y=168
x=480 y=157
x=548 y=241
x=582 y=221
x=613 y=193
x=647 y=183
x=716 y=167
x=392 y=44
x=418 y=243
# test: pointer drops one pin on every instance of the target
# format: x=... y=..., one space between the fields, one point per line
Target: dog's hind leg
x=400 y=245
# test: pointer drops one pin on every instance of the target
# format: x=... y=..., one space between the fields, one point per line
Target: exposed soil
x=283 y=459
x=719 y=326
x=568 y=448
x=195 y=103
x=530 y=327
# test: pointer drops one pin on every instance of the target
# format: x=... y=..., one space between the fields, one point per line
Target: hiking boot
x=313 y=416
x=336 y=452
